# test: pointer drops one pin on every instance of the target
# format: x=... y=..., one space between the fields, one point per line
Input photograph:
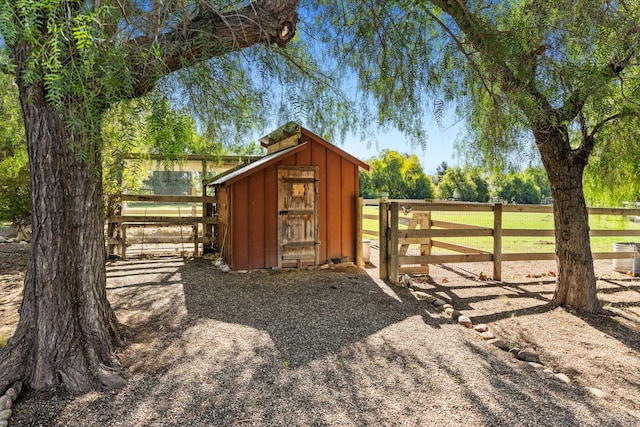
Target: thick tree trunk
x=67 y=329
x=576 y=283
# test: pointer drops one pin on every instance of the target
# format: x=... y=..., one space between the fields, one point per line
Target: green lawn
x=517 y=220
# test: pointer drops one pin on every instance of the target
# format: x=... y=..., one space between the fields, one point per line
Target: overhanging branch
x=207 y=35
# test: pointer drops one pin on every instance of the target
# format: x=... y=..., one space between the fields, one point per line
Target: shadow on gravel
x=535 y=398
x=309 y=313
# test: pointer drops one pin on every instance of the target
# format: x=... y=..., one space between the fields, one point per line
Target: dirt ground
x=342 y=348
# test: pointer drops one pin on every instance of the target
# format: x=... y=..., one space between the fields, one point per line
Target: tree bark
x=575 y=282
x=67 y=329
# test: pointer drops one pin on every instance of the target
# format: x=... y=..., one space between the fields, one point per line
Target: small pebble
x=597 y=392
x=421 y=295
x=12 y=393
x=500 y=343
x=481 y=328
x=438 y=302
x=563 y=378
x=487 y=335
x=465 y=321
x=529 y=356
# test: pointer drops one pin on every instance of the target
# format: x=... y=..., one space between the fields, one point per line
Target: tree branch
x=589 y=139
x=207 y=35
x=486 y=43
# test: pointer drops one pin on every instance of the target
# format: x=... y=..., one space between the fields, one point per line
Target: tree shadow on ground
x=323 y=348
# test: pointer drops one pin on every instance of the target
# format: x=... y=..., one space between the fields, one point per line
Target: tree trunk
x=575 y=283
x=67 y=329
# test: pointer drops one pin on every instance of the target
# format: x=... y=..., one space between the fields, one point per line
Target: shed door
x=297 y=215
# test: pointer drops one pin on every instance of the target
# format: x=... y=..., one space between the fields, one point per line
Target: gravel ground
x=341 y=348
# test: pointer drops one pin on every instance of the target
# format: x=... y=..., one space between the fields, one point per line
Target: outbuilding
x=295 y=206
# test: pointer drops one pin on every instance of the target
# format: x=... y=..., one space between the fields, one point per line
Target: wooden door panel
x=297 y=215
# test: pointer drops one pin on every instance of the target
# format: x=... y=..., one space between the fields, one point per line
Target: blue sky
x=439 y=146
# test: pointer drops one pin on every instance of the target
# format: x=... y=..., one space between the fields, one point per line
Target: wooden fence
x=200 y=217
x=421 y=229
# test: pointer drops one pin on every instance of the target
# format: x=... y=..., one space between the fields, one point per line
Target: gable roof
x=305 y=137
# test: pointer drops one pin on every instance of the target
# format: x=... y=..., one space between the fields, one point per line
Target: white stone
x=9 y=240
x=24 y=242
x=529 y=355
x=225 y=268
x=6 y=414
x=2 y=239
x=5 y=403
x=536 y=365
x=481 y=328
x=500 y=343
x=449 y=311
x=465 y=321
x=4 y=423
x=243 y=271
x=218 y=263
x=12 y=393
x=444 y=307
x=597 y=392
x=487 y=335
x=563 y=378
x=421 y=295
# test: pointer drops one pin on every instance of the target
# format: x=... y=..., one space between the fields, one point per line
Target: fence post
x=207 y=229
x=383 y=214
x=497 y=241
x=123 y=250
x=393 y=243
x=359 y=259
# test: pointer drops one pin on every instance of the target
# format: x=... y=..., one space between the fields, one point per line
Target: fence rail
x=423 y=230
x=119 y=219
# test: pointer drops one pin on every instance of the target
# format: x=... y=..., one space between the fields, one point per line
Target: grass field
x=517 y=220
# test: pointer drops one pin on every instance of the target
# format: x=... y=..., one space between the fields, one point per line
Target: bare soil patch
x=341 y=348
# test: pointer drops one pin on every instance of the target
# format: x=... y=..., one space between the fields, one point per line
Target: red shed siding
x=253 y=238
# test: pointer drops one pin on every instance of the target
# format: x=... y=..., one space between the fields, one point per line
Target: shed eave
x=264 y=162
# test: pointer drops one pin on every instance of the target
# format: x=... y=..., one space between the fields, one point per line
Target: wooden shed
x=295 y=206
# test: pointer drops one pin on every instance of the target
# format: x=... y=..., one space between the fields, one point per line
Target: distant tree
x=366 y=188
x=440 y=171
x=482 y=186
x=419 y=185
x=538 y=176
x=513 y=188
x=457 y=184
x=15 y=199
x=397 y=176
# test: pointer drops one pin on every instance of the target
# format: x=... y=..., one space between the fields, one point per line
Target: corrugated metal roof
x=257 y=165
